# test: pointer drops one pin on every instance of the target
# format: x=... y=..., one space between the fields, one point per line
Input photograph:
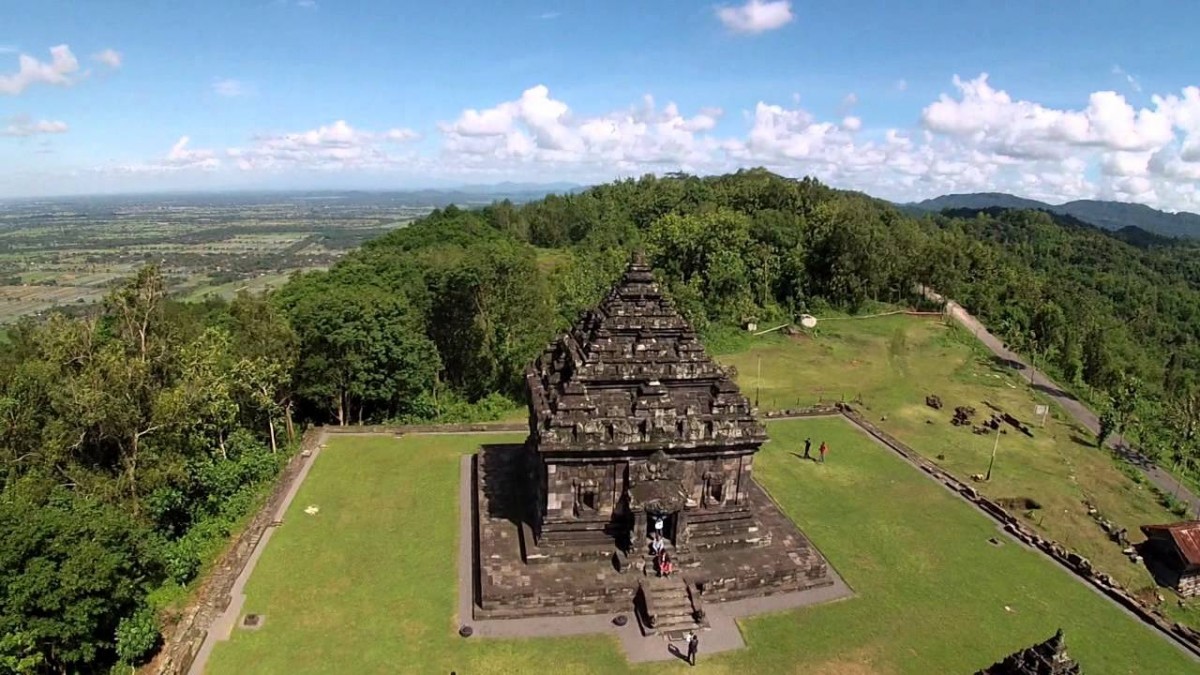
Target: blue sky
x=1092 y=99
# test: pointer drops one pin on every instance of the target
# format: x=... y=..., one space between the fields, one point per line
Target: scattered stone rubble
x=1045 y=658
x=962 y=416
x=1118 y=535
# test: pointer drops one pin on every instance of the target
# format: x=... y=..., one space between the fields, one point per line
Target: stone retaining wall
x=185 y=639
x=396 y=429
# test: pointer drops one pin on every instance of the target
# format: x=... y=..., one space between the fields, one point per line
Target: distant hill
x=508 y=187
x=1115 y=216
x=980 y=200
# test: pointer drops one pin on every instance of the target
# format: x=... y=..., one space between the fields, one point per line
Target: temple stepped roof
x=632 y=372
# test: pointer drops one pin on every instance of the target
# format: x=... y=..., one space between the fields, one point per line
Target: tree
x=70 y=569
x=1126 y=400
x=489 y=314
x=1108 y=424
x=364 y=351
x=267 y=349
x=206 y=385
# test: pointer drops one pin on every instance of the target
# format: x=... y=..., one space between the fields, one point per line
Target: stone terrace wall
x=188 y=635
x=398 y=429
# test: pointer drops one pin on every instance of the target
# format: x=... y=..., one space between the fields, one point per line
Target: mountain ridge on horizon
x=1107 y=215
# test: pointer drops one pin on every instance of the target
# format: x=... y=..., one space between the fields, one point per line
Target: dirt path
x=1073 y=406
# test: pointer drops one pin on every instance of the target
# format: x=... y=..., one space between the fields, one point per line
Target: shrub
x=183 y=559
x=137 y=636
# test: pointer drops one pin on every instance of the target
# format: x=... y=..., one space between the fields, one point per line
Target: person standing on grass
x=807 y=448
x=824 y=449
x=693 y=647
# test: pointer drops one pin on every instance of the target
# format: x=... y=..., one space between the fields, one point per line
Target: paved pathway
x=722 y=635
x=1073 y=406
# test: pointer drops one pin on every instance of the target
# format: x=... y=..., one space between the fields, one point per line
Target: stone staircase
x=670 y=606
x=682 y=556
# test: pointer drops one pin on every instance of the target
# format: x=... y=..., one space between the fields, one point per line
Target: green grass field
x=892 y=363
x=368 y=584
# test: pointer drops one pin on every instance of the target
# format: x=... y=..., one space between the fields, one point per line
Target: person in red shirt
x=824 y=449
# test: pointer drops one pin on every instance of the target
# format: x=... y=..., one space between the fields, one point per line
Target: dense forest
x=134 y=440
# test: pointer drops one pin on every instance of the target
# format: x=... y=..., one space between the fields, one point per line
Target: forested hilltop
x=134 y=441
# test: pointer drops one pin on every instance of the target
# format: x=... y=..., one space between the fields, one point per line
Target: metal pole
x=758 y=382
x=988 y=477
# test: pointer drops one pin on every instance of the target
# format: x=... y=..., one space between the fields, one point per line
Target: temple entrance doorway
x=666 y=524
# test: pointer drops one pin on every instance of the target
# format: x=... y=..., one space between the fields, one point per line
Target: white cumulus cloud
x=756 y=16
x=183 y=157
x=230 y=88
x=977 y=138
x=539 y=129
x=58 y=71
x=1027 y=129
x=23 y=125
x=334 y=146
x=1129 y=79
x=108 y=57
x=180 y=158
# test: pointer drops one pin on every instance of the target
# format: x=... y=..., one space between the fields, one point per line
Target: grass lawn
x=892 y=363
x=368 y=584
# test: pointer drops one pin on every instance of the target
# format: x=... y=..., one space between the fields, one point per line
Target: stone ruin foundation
x=633 y=430
x=1045 y=658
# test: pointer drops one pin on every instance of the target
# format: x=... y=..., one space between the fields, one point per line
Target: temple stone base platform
x=516 y=579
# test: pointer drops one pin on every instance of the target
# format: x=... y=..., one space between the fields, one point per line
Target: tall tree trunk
x=271 y=428
x=131 y=471
x=291 y=429
x=221 y=444
x=341 y=409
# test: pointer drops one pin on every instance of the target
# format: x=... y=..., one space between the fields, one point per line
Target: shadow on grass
x=1003 y=363
x=1082 y=441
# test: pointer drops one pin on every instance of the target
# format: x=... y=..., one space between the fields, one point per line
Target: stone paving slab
x=722 y=635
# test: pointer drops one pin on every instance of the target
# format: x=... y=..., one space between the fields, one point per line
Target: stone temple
x=633 y=429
